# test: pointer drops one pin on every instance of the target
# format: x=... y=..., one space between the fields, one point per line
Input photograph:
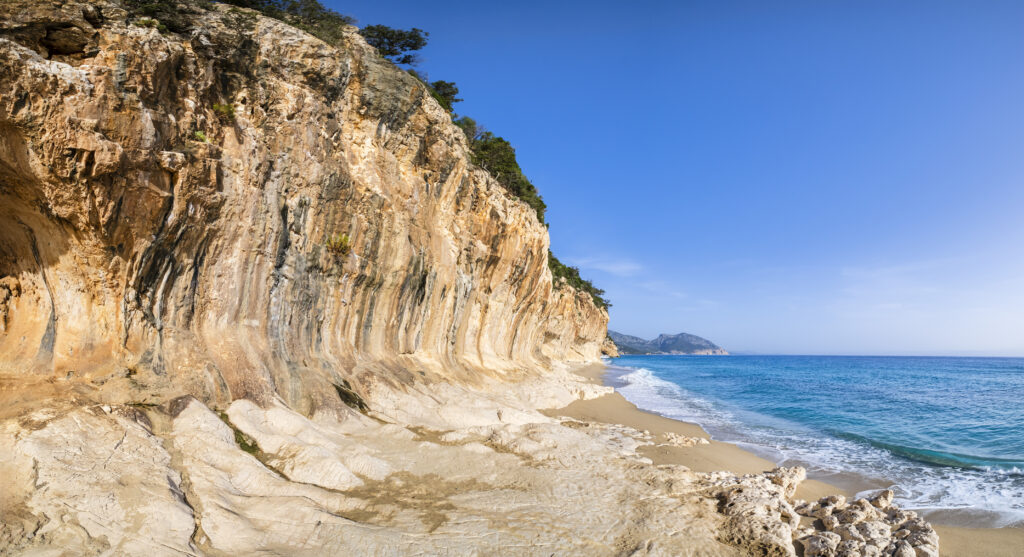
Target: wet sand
x=614 y=408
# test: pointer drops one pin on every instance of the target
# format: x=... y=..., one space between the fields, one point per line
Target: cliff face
x=149 y=241
x=609 y=349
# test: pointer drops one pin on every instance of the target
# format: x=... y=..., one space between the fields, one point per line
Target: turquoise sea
x=947 y=434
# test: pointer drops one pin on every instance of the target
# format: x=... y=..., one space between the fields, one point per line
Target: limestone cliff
x=151 y=241
x=609 y=348
x=183 y=338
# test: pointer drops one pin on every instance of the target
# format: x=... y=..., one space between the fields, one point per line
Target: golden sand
x=614 y=408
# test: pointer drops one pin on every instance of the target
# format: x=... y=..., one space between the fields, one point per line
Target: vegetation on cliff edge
x=572 y=277
x=497 y=156
x=165 y=15
x=444 y=92
x=309 y=15
x=395 y=44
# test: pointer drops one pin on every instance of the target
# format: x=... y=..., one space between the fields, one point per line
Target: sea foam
x=989 y=496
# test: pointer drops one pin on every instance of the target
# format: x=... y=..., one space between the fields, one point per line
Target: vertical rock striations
x=147 y=236
x=219 y=248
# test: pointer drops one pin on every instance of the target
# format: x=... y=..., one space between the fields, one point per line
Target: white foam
x=648 y=391
x=993 y=498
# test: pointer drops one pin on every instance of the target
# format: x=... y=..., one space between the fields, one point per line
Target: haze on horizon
x=789 y=177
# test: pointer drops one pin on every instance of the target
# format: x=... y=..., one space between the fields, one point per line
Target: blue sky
x=780 y=177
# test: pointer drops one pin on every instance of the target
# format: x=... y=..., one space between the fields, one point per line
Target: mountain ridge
x=682 y=343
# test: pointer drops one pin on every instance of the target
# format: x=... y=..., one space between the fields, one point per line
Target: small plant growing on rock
x=339 y=245
x=226 y=112
x=246 y=443
x=350 y=397
x=151 y=23
x=200 y=136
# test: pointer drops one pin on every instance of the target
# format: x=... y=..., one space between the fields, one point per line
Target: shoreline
x=717 y=455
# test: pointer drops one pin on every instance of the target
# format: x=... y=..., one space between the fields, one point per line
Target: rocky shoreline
x=765 y=518
x=820 y=507
x=445 y=469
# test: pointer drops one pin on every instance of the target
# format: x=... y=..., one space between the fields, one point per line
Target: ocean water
x=947 y=434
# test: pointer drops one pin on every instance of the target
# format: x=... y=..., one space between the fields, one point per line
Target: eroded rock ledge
x=764 y=519
x=182 y=479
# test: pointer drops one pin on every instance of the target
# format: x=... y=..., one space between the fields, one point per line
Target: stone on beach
x=871 y=526
x=764 y=520
x=882 y=499
x=676 y=440
x=761 y=518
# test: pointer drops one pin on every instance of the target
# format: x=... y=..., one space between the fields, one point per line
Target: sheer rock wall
x=149 y=244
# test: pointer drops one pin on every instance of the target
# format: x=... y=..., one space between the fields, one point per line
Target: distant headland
x=682 y=343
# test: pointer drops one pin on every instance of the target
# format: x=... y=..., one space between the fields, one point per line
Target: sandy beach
x=615 y=409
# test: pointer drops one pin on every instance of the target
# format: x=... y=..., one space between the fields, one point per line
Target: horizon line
x=744 y=353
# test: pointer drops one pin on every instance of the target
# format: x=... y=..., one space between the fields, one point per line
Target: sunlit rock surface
x=186 y=368
x=146 y=239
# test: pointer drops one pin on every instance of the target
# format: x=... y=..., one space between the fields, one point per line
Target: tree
x=469 y=127
x=445 y=92
x=395 y=44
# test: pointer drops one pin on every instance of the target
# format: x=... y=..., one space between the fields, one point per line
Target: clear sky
x=811 y=177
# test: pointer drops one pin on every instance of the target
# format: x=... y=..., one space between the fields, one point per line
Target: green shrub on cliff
x=166 y=15
x=497 y=156
x=572 y=277
x=444 y=92
x=469 y=127
x=395 y=44
x=225 y=112
x=339 y=245
x=309 y=15
x=151 y=23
